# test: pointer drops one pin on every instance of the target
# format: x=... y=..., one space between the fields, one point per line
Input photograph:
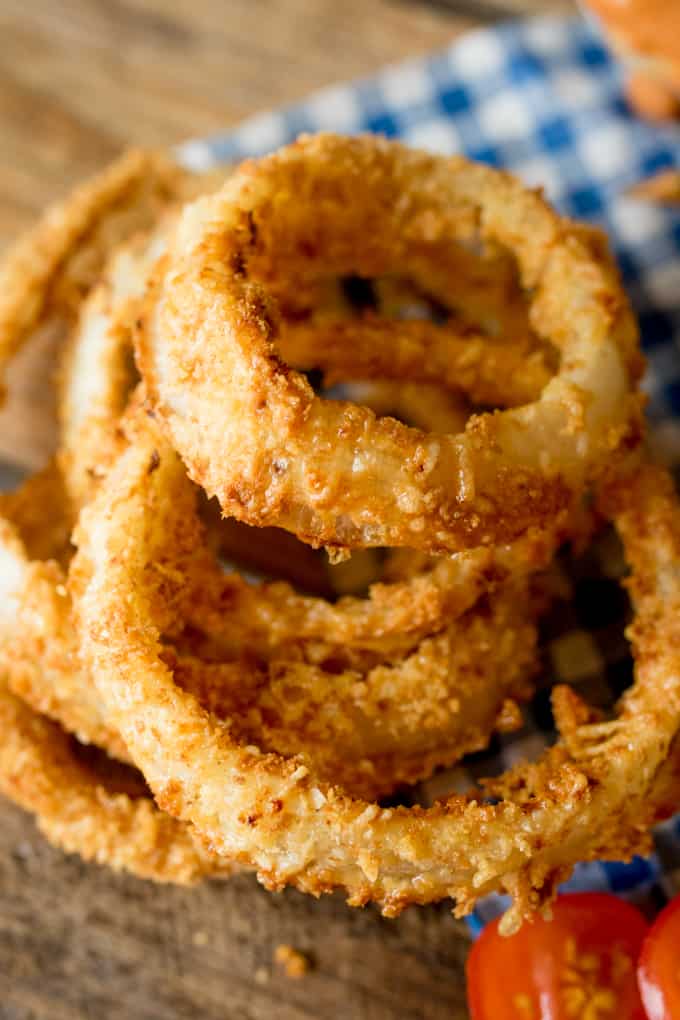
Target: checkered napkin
x=541 y=97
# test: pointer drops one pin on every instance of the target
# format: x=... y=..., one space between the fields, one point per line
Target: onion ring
x=78 y=812
x=53 y=266
x=590 y=795
x=47 y=674
x=97 y=374
x=253 y=433
x=372 y=728
x=314 y=709
x=96 y=382
x=45 y=277
x=486 y=371
x=94 y=389
x=375 y=730
x=75 y=809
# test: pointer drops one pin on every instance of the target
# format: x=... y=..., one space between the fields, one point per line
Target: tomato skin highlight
x=581 y=965
x=659 y=966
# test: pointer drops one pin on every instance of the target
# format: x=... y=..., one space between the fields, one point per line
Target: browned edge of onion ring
x=253 y=432
x=76 y=811
x=591 y=797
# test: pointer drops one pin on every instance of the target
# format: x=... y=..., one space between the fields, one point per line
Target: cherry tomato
x=578 y=966
x=659 y=967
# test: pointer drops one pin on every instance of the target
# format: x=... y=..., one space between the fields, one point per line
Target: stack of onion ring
x=364 y=346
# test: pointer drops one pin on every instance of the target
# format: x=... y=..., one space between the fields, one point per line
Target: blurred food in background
x=646 y=35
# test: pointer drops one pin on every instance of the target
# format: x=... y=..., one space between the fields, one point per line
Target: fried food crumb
x=293 y=963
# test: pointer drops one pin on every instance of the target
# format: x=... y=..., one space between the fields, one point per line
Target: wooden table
x=79 y=80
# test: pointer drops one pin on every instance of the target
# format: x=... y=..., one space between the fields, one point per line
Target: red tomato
x=579 y=966
x=659 y=967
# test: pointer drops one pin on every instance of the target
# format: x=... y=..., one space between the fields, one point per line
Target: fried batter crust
x=52 y=267
x=250 y=428
x=77 y=811
x=370 y=727
x=593 y=795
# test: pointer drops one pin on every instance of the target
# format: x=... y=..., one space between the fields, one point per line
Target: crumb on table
x=293 y=963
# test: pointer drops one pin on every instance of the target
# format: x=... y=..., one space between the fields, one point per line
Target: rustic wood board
x=77 y=942
x=80 y=79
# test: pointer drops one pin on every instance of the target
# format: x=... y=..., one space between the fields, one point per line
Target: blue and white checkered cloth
x=542 y=98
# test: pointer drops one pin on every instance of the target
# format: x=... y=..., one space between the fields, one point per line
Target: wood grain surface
x=79 y=80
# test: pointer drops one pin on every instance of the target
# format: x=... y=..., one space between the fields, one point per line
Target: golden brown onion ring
x=375 y=729
x=498 y=373
x=253 y=432
x=369 y=726
x=47 y=274
x=391 y=620
x=79 y=811
x=53 y=266
x=97 y=376
x=593 y=795
x=95 y=379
